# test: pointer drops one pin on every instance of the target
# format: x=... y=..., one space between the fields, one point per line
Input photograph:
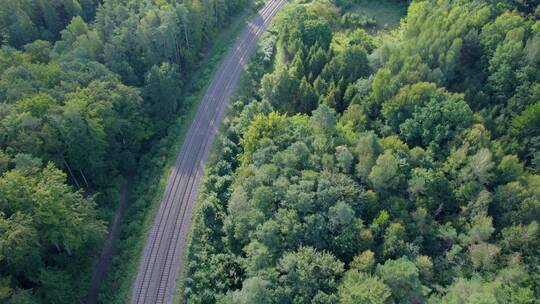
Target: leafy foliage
x=407 y=162
x=87 y=88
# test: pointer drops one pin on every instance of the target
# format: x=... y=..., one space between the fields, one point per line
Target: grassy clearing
x=154 y=171
x=387 y=13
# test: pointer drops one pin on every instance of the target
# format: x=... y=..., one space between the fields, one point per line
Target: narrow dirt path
x=103 y=265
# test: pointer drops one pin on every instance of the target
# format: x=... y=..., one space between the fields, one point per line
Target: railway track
x=162 y=256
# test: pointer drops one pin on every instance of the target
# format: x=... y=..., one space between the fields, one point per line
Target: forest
x=370 y=163
x=87 y=89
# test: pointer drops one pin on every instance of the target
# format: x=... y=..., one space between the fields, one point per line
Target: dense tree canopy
x=397 y=166
x=45 y=225
x=24 y=21
x=87 y=87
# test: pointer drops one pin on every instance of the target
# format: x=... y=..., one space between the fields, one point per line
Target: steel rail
x=161 y=259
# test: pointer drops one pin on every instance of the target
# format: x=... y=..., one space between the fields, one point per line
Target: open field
x=387 y=13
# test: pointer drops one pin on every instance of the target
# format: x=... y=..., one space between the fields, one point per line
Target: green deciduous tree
x=254 y=290
x=358 y=287
x=40 y=217
x=384 y=175
x=307 y=275
x=437 y=123
x=163 y=91
x=403 y=279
